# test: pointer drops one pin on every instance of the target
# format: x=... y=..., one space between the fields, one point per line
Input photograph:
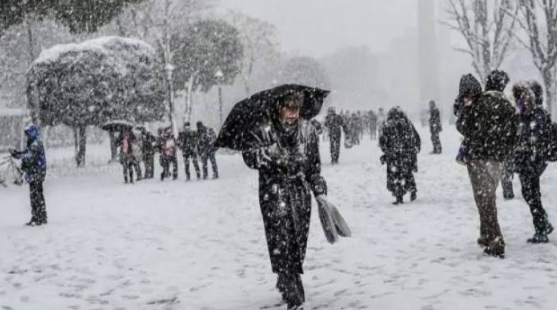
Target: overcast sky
x=319 y=27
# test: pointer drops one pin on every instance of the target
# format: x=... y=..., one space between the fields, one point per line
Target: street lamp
x=168 y=69
x=220 y=77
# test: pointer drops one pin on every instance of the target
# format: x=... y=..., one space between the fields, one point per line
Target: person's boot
x=483 y=241
x=31 y=222
x=413 y=195
x=496 y=248
x=541 y=235
x=399 y=200
x=538 y=237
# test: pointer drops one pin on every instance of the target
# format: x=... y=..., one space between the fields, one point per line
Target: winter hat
x=524 y=97
x=33 y=131
x=538 y=92
x=469 y=87
x=186 y=124
x=199 y=124
x=497 y=80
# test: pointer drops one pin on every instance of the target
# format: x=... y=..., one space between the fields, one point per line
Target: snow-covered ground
x=200 y=245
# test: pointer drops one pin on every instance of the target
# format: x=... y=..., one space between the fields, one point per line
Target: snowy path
x=200 y=245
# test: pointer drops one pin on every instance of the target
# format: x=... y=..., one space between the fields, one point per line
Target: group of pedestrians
x=503 y=138
x=141 y=146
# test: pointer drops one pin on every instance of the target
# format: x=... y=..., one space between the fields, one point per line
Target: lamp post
x=219 y=75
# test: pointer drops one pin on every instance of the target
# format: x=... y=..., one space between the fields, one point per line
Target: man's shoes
x=399 y=200
x=482 y=241
x=538 y=238
x=413 y=195
x=496 y=248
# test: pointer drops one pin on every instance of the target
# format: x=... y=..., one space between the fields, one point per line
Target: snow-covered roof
x=101 y=44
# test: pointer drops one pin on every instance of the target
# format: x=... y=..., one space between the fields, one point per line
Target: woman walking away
x=400 y=144
x=529 y=160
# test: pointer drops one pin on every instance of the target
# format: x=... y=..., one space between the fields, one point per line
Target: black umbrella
x=236 y=131
x=118 y=125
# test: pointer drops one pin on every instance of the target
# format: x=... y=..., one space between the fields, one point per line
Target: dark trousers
x=335 y=148
x=206 y=157
x=485 y=177
x=38 y=204
x=130 y=164
x=532 y=194
x=436 y=141
x=507 y=180
x=165 y=162
x=149 y=160
x=193 y=157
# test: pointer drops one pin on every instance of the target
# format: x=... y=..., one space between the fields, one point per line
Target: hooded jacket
x=33 y=157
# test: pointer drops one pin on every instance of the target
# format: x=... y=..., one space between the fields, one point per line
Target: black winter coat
x=528 y=156
x=335 y=123
x=285 y=185
x=435 y=121
x=489 y=127
x=400 y=143
x=188 y=141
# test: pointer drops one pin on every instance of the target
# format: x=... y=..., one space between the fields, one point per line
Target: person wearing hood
x=33 y=164
x=488 y=125
x=400 y=143
x=289 y=170
x=529 y=160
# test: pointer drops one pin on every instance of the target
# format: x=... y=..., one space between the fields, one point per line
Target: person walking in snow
x=33 y=164
x=289 y=170
x=488 y=125
x=400 y=143
x=435 y=127
x=188 y=142
x=528 y=157
x=372 y=125
x=207 y=151
x=334 y=124
x=126 y=141
x=149 y=146
x=167 y=148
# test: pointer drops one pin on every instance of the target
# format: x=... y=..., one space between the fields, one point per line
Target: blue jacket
x=33 y=158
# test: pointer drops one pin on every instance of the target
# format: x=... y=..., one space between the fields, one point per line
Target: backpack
x=549 y=141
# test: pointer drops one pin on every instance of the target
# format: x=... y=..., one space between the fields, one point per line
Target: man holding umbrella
x=273 y=130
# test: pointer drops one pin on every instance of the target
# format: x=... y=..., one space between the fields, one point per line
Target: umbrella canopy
x=117 y=125
x=236 y=131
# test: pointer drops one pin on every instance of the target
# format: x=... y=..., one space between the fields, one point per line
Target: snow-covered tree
x=538 y=20
x=306 y=71
x=261 y=48
x=487 y=29
x=155 y=22
x=203 y=51
x=86 y=84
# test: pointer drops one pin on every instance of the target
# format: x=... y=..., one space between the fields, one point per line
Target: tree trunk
x=81 y=152
x=113 y=147
x=76 y=143
x=548 y=82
